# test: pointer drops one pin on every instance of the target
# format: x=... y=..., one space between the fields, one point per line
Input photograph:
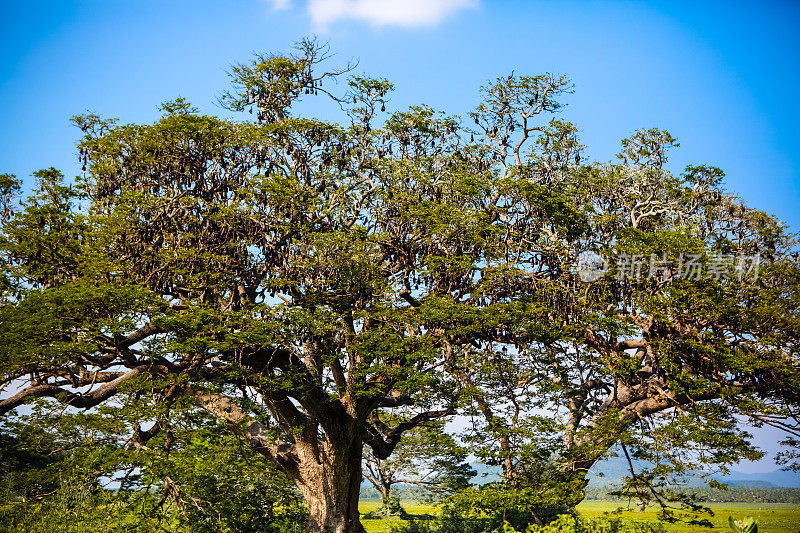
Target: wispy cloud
x=407 y=13
x=278 y=4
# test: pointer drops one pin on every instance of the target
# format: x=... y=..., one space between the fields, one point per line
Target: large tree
x=302 y=280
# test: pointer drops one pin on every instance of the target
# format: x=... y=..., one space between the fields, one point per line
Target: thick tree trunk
x=326 y=469
x=330 y=482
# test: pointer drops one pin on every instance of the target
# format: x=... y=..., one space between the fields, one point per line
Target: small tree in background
x=427 y=458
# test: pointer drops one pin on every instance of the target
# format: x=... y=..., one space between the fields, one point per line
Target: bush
x=451 y=522
x=390 y=508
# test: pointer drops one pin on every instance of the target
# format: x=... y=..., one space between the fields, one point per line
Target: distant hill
x=775 y=478
x=753 y=484
x=612 y=470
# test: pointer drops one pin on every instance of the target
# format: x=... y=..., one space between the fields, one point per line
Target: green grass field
x=772 y=517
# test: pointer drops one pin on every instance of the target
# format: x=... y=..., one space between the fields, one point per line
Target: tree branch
x=67 y=397
x=383 y=445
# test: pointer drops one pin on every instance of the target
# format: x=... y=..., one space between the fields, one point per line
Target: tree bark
x=326 y=469
x=330 y=481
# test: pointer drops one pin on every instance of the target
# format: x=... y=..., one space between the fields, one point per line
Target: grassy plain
x=772 y=517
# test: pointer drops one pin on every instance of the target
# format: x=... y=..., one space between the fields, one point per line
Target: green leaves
x=43 y=242
x=647 y=148
x=53 y=326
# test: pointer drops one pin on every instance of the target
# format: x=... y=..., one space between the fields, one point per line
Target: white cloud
x=406 y=13
x=278 y=4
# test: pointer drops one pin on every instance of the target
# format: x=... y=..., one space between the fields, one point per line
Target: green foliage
x=450 y=522
x=571 y=524
x=527 y=503
x=390 y=508
x=186 y=480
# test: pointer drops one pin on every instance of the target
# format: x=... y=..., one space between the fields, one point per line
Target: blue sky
x=722 y=77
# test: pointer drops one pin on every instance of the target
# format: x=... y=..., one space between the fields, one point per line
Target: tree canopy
x=318 y=286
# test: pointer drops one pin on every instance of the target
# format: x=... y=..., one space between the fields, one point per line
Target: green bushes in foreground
x=455 y=523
